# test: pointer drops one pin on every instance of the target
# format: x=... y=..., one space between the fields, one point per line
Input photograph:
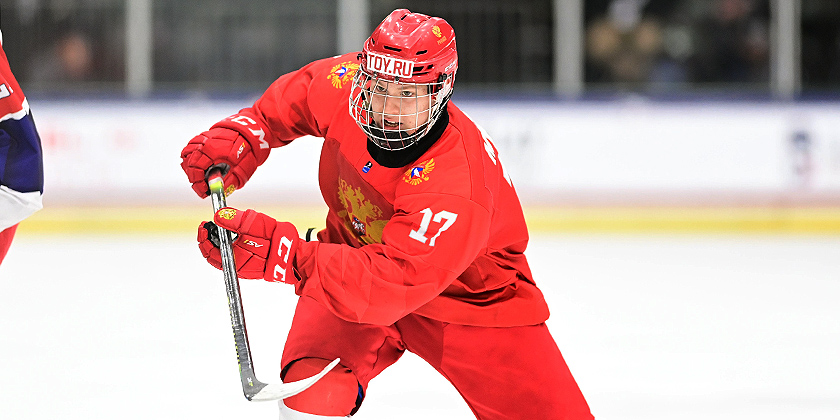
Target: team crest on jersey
x=227 y=214
x=361 y=217
x=342 y=74
x=419 y=173
x=230 y=189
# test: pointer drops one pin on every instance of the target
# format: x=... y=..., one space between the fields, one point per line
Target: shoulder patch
x=342 y=74
x=420 y=172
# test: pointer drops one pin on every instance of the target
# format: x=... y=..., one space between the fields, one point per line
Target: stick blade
x=280 y=391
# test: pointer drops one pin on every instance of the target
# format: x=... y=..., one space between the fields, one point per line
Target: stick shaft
x=250 y=385
x=253 y=389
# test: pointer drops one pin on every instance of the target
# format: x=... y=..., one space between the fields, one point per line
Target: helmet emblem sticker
x=439 y=34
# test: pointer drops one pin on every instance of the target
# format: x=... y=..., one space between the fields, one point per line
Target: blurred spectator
x=644 y=43
x=69 y=60
x=623 y=44
x=679 y=45
x=733 y=44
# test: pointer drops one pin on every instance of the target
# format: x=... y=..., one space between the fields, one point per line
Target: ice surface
x=653 y=327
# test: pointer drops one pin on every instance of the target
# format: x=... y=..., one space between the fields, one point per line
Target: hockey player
x=21 y=165
x=425 y=238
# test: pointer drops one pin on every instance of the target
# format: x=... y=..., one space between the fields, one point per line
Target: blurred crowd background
x=682 y=47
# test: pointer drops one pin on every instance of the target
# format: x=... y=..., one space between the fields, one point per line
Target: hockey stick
x=254 y=390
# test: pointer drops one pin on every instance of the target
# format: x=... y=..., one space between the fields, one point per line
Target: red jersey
x=443 y=237
x=12 y=102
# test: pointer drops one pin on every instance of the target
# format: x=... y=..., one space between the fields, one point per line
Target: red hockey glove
x=263 y=249
x=236 y=143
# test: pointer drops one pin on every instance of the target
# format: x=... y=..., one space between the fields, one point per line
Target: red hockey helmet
x=405 y=78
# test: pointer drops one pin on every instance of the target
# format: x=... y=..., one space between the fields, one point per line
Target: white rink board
x=100 y=151
x=661 y=146
x=123 y=151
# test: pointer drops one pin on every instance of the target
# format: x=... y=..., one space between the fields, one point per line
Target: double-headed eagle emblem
x=420 y=172
x=342 y=74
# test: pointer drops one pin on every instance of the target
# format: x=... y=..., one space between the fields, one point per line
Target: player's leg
x=511 y=373
x=317 y=337
x=6 y=236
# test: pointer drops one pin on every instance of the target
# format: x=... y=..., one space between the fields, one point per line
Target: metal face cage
x=396 y=114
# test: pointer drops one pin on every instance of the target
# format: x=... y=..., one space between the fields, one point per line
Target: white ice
x=653 y=327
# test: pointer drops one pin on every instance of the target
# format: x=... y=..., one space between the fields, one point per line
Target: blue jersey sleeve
x=21 y=160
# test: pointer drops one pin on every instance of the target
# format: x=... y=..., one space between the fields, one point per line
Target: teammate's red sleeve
x=425 y=247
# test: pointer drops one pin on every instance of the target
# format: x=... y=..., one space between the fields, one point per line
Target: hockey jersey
x=442 y=236
x=21 y=165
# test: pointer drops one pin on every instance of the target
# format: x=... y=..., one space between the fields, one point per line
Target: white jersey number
x=420 y=234
x=4 y=91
